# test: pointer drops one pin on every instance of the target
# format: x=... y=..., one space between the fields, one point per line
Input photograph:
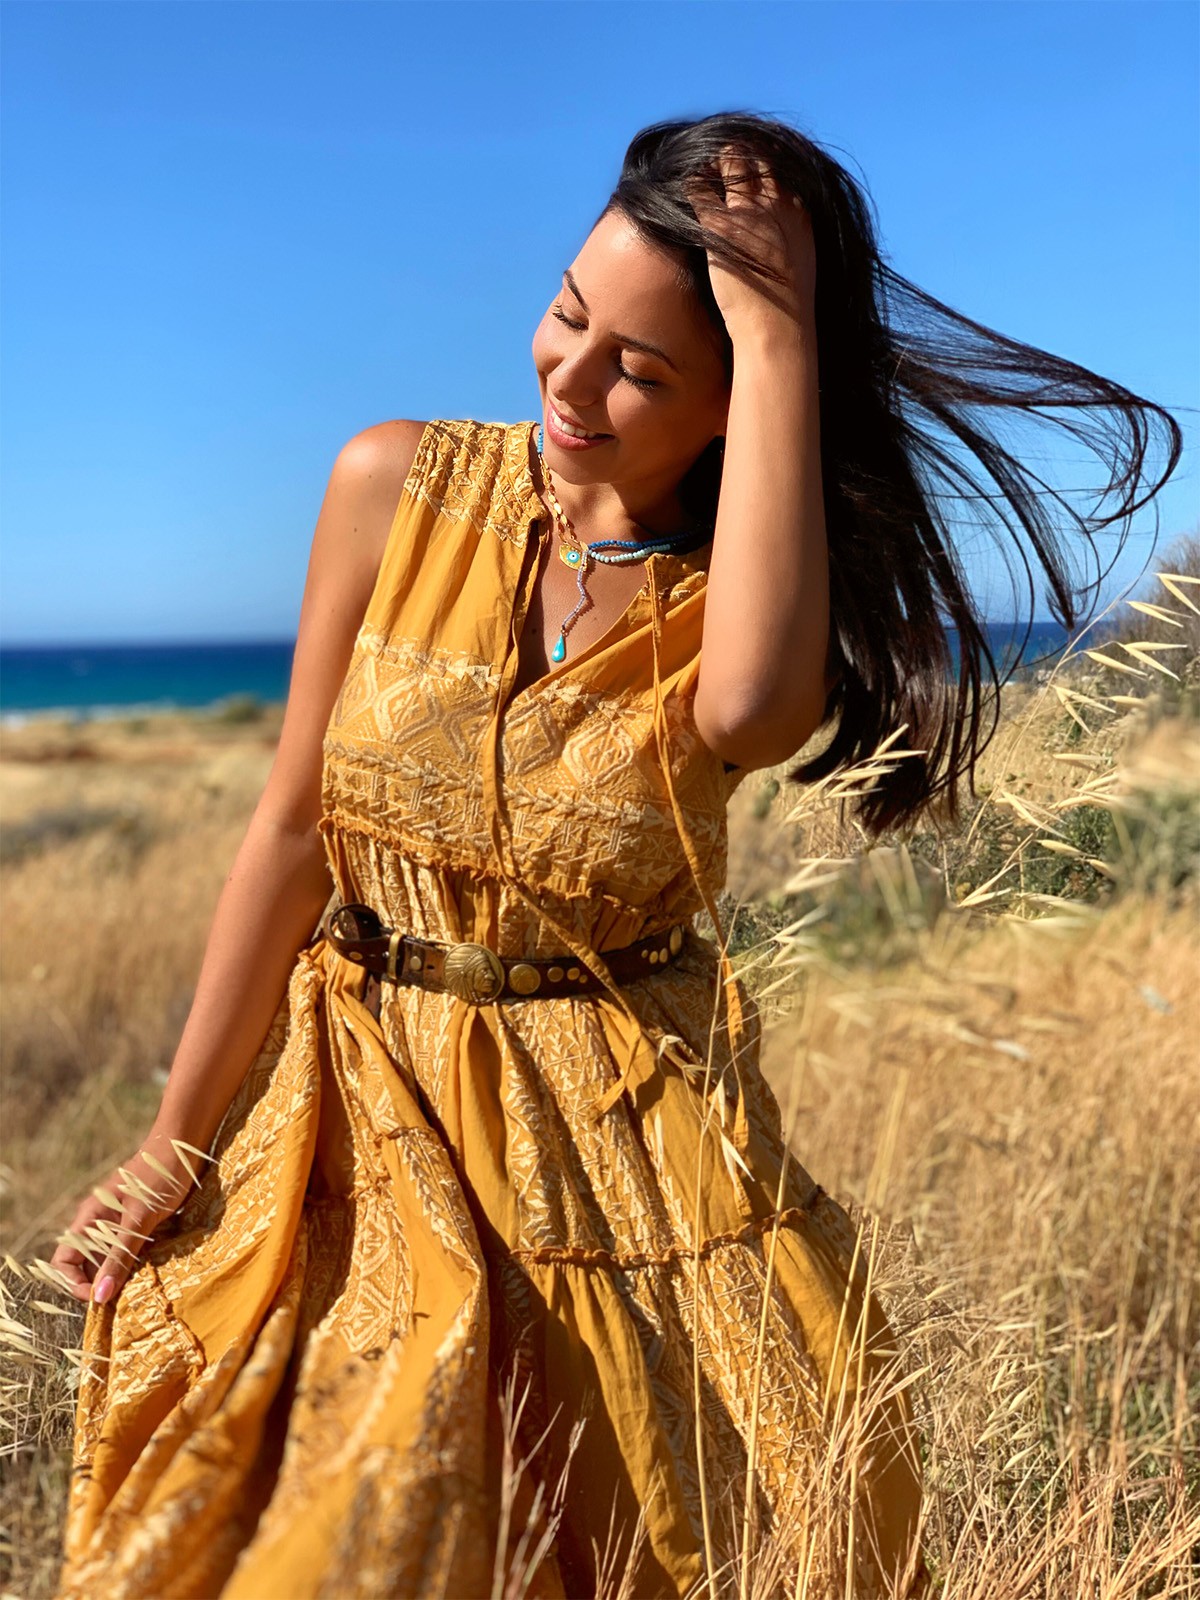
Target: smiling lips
x=569 y=434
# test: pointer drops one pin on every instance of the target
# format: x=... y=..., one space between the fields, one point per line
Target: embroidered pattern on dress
x=405 y=1210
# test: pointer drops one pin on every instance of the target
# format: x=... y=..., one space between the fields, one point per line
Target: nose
x=577 y=380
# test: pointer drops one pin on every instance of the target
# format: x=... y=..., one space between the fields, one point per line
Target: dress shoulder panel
x=468 y=480
x=475 y=472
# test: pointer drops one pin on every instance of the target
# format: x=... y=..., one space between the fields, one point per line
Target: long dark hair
x=906 y=385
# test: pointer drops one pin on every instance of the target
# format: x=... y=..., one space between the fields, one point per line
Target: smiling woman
x=499 y=1275
x=650 y=406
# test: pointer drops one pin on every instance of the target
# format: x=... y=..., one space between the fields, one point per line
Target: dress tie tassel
x=637 y=1058
x=735 y=1021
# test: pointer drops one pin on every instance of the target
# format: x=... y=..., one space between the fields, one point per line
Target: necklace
x=614 y=552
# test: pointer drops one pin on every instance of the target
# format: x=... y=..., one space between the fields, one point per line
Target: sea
x=81 y=681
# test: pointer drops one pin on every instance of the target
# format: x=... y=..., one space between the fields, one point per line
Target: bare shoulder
x=355 y=520
x=372 y=467
x=387 y=449
x=364 y=491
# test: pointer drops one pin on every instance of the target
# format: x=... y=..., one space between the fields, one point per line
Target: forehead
x=635 y=287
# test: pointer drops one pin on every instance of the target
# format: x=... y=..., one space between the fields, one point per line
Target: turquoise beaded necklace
x=614 y=552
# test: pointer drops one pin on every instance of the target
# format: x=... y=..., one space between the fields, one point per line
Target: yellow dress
x=418 y=1216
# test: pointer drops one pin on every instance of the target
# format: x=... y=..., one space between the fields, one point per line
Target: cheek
x=544 y=349
x=673 y=426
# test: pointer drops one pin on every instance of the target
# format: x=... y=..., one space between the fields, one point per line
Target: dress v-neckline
x=520 y=593
x=518 y=617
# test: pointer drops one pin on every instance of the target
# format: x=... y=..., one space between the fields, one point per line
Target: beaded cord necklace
x=615 y=552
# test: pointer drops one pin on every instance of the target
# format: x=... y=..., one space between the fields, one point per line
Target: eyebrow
x=621 y=338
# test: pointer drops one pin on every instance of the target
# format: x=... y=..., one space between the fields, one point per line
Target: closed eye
x=638 y=383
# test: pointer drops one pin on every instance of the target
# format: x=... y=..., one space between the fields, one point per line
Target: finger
x=736 y=174
x=767 y=185
x=705 y=198
x=91 y=1235
x=758 y=183
x=124 y=1246
x=78 y=1247
x=79 y=1251
x=71 y=1264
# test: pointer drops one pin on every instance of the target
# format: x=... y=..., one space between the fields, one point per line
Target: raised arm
x=766 y=669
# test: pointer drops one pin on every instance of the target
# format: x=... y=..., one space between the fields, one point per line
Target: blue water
x=1046 y=642
x=103 y=679
x=99 y=680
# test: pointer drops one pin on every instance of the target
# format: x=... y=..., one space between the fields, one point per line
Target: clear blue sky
x=234 y=235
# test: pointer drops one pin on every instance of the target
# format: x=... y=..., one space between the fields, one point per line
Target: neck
x=604 y=511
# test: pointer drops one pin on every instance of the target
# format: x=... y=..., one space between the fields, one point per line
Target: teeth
x=569 y=427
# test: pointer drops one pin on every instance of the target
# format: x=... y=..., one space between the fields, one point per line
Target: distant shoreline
x=79 y=683
x=101 y=681
x=80 y=716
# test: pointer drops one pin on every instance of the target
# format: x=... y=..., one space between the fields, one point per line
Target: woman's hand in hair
x=774 y=229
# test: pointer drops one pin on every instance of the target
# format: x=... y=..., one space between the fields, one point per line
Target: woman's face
x=625 y=351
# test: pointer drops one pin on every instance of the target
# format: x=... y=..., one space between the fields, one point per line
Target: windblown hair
x=906 y=387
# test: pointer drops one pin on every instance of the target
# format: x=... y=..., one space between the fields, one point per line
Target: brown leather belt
x=475 y=972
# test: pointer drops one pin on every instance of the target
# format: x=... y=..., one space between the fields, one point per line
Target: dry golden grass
x=985 y=1042
x=1034 y=1097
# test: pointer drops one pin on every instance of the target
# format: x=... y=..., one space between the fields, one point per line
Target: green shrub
x=870 y=915
x=1157 y=840
x=238 y=708
x=1088 y=829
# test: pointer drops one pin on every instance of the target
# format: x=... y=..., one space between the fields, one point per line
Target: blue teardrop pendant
x=612 y=552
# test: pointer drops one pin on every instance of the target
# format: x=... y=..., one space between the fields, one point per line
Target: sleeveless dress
x=471 y=1291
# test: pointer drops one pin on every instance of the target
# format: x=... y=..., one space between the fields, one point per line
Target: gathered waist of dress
x=475 y=972
x=449 y=902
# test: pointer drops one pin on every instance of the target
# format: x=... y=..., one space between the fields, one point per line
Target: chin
x=571 y=468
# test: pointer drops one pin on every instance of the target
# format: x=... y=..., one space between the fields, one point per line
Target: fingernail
x=104 y=1289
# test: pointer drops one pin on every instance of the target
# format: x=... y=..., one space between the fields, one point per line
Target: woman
x=498 y=1266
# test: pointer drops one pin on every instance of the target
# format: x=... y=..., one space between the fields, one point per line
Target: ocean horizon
x=83 y=681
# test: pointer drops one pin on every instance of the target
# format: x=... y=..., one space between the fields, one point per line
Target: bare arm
x=279 y=883
x=763 y=679
x=765 y=671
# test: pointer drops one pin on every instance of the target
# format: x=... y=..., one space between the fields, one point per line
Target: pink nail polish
x=104 y=1290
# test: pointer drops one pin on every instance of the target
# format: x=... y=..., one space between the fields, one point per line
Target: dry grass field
x=983 y=1042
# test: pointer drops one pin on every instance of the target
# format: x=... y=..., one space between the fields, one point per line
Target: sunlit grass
x=982 y=1042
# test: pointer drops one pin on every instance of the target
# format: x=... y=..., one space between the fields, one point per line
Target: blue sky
x=234 y=235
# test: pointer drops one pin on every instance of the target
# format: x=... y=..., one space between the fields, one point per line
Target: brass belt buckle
x=473 y=972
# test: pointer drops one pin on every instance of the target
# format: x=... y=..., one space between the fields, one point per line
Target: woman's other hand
x=120 y=1215
x=741 y=200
